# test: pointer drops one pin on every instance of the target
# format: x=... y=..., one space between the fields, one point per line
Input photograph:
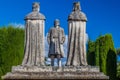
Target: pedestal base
x=66 y=72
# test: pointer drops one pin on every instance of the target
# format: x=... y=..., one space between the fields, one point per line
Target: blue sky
x=103 y=15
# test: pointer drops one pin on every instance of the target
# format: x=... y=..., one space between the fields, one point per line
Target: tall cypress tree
x=104 y=55
x=107 y=56
x=111 y=62
x=97 y=52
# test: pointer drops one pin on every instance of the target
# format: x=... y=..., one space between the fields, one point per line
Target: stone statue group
x=34 y=39
x=33 y=65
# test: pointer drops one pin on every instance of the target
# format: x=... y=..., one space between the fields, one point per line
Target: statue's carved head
x=76 y=6
x=56 y=22
x=36 y=6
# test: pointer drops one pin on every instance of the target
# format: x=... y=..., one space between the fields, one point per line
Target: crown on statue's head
x=36 y=6
x=76 y=6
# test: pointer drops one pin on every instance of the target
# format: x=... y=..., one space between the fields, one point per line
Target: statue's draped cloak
x=34 y=37
x=34 y=43
x=56 y=39
x=76 y=44
x=77 y=37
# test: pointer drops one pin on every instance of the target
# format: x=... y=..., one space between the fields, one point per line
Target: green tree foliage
x=107 y=56
x=118 y=66
x=111 y=61
x=104 y=55
x=11 y=48
x=91 y=53
x=118 y=70
x=97 y=52
x=118 y=51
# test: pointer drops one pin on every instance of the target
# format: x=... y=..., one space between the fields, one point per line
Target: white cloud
x=19 y=25
x=46 y=46
x=65 y=45
x=63 y=63
x=48 y=59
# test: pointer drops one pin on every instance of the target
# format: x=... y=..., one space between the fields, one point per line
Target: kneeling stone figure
x=55 y=39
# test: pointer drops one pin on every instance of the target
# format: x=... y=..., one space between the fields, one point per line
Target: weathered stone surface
x=77 y=14
x=34 y=38
x=57 y=69
x=81 y=68
x=31 y=69
x=66 y=72
x=35 y=15
x=76 y=38
x=56 y=38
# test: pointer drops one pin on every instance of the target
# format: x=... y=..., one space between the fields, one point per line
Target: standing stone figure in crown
x=56 y=38
x=77 y=37
x=34 y=37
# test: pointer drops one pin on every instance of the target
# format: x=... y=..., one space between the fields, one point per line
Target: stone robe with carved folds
x=34 y=38
x=77 y=37
x=56 y=39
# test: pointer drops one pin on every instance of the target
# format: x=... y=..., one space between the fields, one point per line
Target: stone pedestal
x=65 y=72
